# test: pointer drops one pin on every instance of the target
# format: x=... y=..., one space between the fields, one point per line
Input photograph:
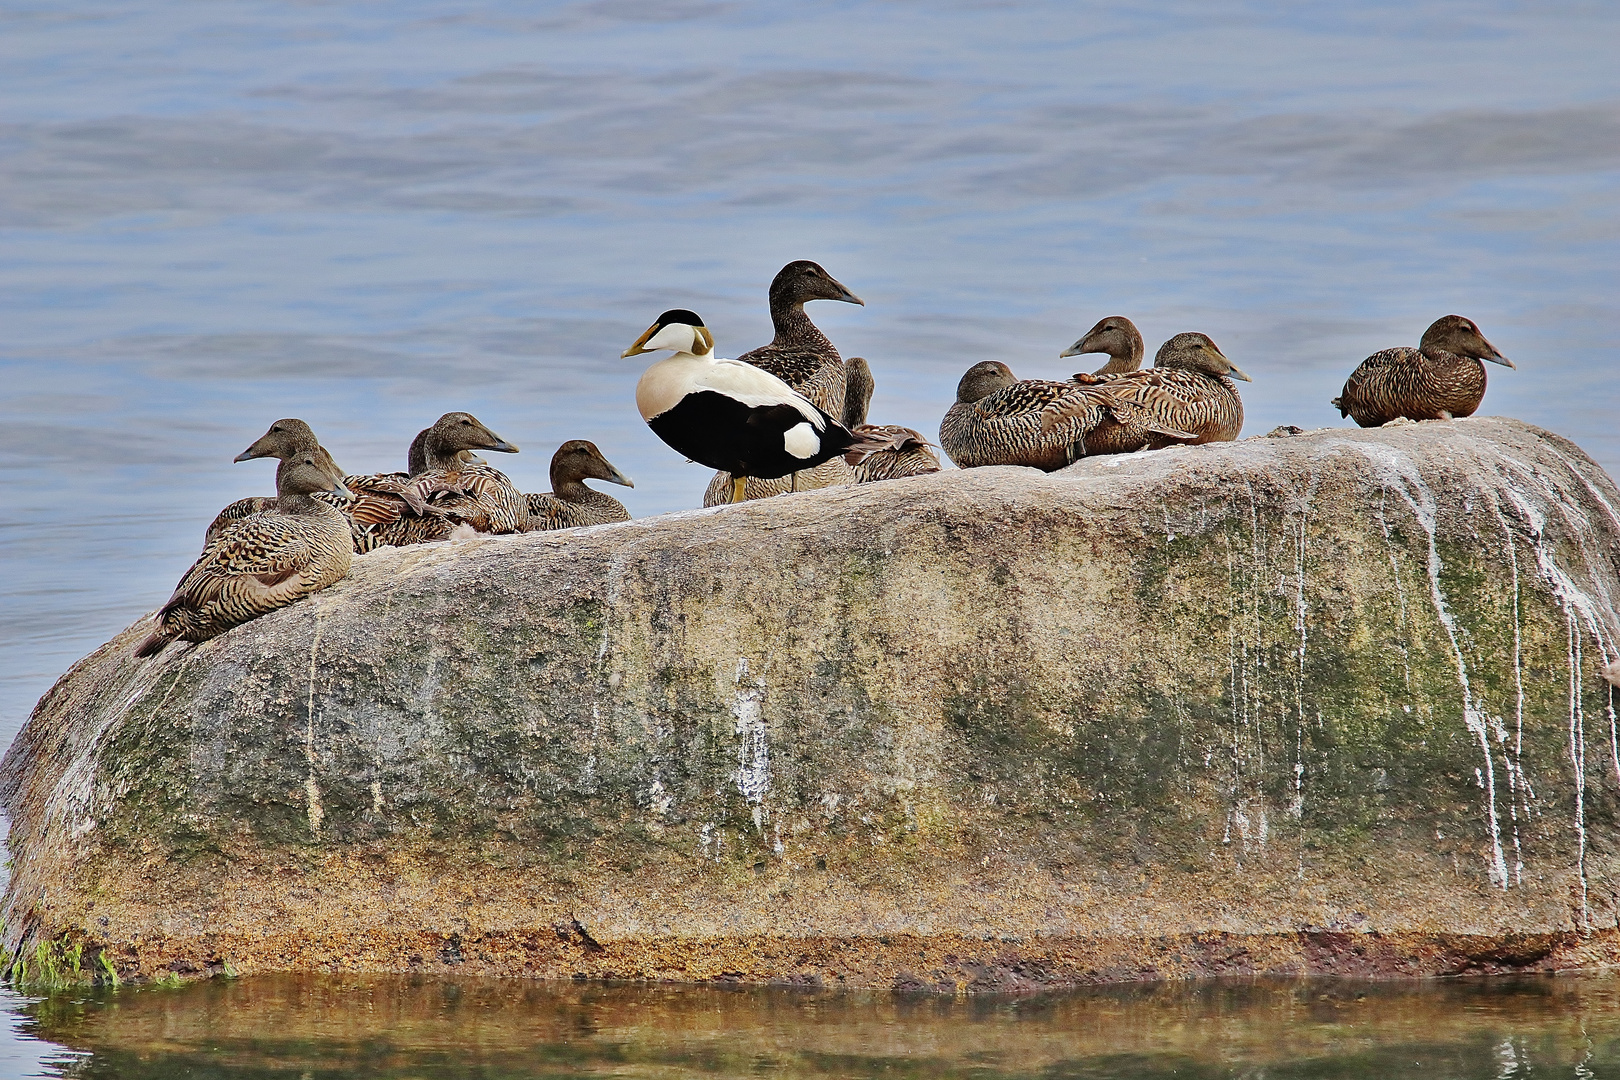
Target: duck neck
x=1121 y=363
x=1449 y=359
x=570 y=489
x=298 y=502
x=793 y=326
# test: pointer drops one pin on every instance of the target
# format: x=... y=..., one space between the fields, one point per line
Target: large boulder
x=1324 y=702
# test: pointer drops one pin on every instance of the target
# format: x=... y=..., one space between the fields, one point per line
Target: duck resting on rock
x=1186 y=397
x=447 y=488
x=729 y=415
x=905 y=453
x=1441 y=379
x=570 y=504
x=999 y=419
x=263 y=561
x=803 y=357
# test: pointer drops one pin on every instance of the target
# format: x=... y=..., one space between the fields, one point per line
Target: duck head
x=308 y=472
x=455 y=432
x=858 y=387
x=677 y=329
x=285 y=438
x=1196 y=352
x=984 y=379
x=579 y=459
x=1116 y=336
x=802 y=280
x=1460 y=337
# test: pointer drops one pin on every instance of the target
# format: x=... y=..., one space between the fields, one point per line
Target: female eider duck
x=1115 y=336
x=1187 y=397
x=1441 y=379
x=730 y=415
x=803 y=357
x=263 y=561
x=999 y=419
x=447 y=488
x=905 y=452
x=570 y=504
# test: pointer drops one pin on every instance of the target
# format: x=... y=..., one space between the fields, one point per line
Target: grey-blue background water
x=364 y=214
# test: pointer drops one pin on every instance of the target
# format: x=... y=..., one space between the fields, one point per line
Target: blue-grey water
x=365 y=214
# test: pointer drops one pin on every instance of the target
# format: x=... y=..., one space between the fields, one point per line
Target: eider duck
x=570 y=504
x=1441 y=379
x=803 y=357
x=905 y=452
x=999 y=419
x=1188 y=390
x=264 y=561
x=447 y=488
x=1116 y=336
x=730 y=415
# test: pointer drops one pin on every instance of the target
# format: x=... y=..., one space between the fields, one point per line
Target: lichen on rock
x=1320 y=703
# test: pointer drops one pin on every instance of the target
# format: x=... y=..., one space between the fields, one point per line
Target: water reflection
x=314 y=1026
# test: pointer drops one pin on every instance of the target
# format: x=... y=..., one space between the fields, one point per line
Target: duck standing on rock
x=1188 y=394
x=730 y=415
x=999 y=419
x=1441 y=379
x=905 y=452
x=1116 y=336
x=802 y=356
x=570 y=504
x=264 y=561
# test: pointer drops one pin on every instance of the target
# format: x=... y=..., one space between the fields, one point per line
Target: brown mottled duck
x=264 y=561
x=904 y=452
x=1188 y=390
x=1441 y=379
x=1118 y=338
x=570 y=504
x=803 y=357
x=999 y=419
x=456 y=490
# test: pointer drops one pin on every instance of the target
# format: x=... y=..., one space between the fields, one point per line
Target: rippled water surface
x=365 y=214
x=318 y=1027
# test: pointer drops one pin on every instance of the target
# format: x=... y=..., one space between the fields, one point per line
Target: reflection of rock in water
x=1317 y=703
x=451 y=1026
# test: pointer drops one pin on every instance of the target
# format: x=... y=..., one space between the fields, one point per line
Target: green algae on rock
x=1325 y=703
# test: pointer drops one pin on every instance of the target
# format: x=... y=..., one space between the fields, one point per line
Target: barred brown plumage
x=804 y=358
x=1001 y=420
x=570 y=504
x=264 y=561
x=1188 y=390
x=447 y=488
x=1441 y=379
x=903 y=451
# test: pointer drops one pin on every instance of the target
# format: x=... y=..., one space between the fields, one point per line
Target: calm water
x=314 y=1028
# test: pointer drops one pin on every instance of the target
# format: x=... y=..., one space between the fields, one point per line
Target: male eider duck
x=803 y=357
x=905 y=451
x=727 y=414
x=1116 y=336
x=263 y=561
x=999 y=419
x=1189 y=390
x=1441 y=379
x=570 y=504
x=447 y=488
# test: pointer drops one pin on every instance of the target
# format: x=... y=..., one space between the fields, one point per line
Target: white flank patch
x=801 y=441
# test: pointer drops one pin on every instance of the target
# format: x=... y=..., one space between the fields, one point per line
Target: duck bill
x=340 y=488
x=500 y=445
x=254 y=451
x=636 y=349
x=1498 y=358
x=1237 y=372
x=1077 y=349
x=617 y=477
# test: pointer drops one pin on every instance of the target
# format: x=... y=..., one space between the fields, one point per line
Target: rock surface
x=1322 y=703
